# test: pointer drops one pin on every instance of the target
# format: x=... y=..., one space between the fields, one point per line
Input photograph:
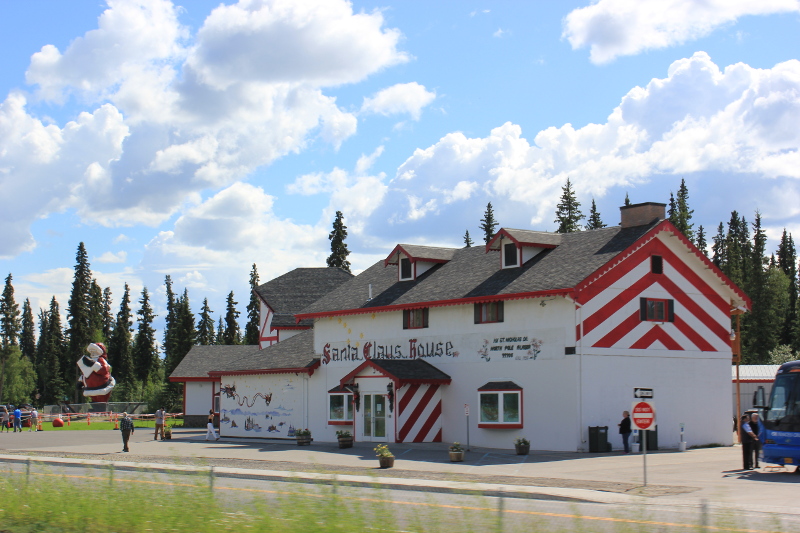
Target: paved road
x=675 y=480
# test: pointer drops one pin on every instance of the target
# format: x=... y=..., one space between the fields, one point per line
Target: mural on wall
x=255 y=412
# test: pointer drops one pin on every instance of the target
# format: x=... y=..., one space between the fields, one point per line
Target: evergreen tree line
x=40 y=366
x=770 y=331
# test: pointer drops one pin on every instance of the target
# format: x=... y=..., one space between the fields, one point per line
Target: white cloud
x=499 y=33
x=699 y=119
x=401 y=98
x=613 y=28
x=111 y=257
x=322 y=43
x=365 y=162
x=172 y=122
x=121 y=238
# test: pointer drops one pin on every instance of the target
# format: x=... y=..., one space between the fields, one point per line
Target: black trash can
x=598 y=439
x=652 y=439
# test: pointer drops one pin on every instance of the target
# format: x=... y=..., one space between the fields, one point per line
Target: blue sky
x=197 y=140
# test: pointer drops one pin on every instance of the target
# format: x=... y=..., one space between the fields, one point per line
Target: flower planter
x=386 y=462
x=345 y=442
x=303 y=440
x=456 y=457
x=168 y=435
x=522 y=449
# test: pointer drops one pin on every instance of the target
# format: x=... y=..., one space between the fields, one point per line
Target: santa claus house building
x=535 y=334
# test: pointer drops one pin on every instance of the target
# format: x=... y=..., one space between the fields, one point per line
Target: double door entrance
x=374 y=426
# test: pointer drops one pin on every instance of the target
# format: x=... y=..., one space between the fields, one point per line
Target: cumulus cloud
x=111 y=257
x=613 y=28
x=174 y=121
x=739 y=121
x=401 y=98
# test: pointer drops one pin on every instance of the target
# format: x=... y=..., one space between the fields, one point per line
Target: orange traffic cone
x=39 y=425
x=88 y=419
x=116 y=421
x=69 y=419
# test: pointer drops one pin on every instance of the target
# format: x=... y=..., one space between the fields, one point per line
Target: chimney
x=641 y=214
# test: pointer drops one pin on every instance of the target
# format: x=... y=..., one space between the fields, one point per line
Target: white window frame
x=348 y=408
x=500 y=423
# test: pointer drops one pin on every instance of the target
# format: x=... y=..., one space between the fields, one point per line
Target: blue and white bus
x=781 y=417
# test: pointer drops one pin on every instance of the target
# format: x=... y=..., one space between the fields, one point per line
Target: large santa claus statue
x=96 y=374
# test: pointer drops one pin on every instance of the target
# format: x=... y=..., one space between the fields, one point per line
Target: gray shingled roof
x=201 y=359
x=294 y=352
x=527 y=236
x=291 y=292
x=474 y=273
x=410 y=370
x=432 y=253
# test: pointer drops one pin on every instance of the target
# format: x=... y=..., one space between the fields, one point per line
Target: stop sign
x=643 y=415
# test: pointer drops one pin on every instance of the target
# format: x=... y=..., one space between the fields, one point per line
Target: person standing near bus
x=34 y=420
x=4 y=418
x=159 y=424
x=759 y=434
x=748 y=438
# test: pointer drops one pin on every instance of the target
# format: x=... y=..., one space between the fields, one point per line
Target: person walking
x=17 y=420
x=159 y=424
x=4 y=418
x=34 y=420
x=625 y=430
x=211 y=433
x=127 y=429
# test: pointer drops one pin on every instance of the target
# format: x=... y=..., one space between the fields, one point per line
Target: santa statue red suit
x=96 y=373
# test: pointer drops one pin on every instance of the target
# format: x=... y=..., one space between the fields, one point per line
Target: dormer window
x=406 y=269
x=510 y=255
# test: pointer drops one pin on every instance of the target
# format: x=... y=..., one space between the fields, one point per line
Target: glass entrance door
x=374 y=417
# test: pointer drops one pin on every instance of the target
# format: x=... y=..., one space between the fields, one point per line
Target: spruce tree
x=594 y=221
x=232 y=333
x=787 y=261
x=467 y=240
x=220 y=332
x=27 y=337
x=145 y=353
x=205 y=326
x=79 y=319
x=762 y=323
x=719 y=249
x=9 y=329
x=108 y=315
x=52 y=350
x=488 y=223
x=185 y=337
x=681 y=215
x=96 y=312
x=568 y=213
x=251 y=329
x=702 y=244
x=169 y=320
x=10 y=323
x=339 y=251
x=120 y=355
x=627 y=200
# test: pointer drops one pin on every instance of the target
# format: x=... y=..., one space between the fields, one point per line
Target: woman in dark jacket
x=625 y=430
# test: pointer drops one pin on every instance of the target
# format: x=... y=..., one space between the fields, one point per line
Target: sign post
x=643 y=415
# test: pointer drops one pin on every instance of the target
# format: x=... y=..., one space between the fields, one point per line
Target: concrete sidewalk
x=674 y=478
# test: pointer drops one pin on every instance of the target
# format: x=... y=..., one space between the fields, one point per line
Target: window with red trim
x=415 y=318
x=488 y=312
x=657 y=310
x=500 y=405
x=406 y=272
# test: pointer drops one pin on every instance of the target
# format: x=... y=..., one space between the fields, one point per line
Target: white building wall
x=199 y=397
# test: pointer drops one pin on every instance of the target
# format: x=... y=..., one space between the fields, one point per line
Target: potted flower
x=522 y=445
x=385 y=456
x=345 y=438
x=167 y=431
x=456 y=453
x=303 y=437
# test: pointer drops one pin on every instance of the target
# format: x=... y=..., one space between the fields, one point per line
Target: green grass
x=81 y=425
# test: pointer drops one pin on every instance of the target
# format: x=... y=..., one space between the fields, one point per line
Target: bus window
x=779 y=399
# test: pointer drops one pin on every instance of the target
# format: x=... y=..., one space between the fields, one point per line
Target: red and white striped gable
x=700 y=298
x=419 y=413
x=266 y=335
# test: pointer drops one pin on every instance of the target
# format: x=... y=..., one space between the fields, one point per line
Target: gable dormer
x=518 y=246
x=412 y=261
